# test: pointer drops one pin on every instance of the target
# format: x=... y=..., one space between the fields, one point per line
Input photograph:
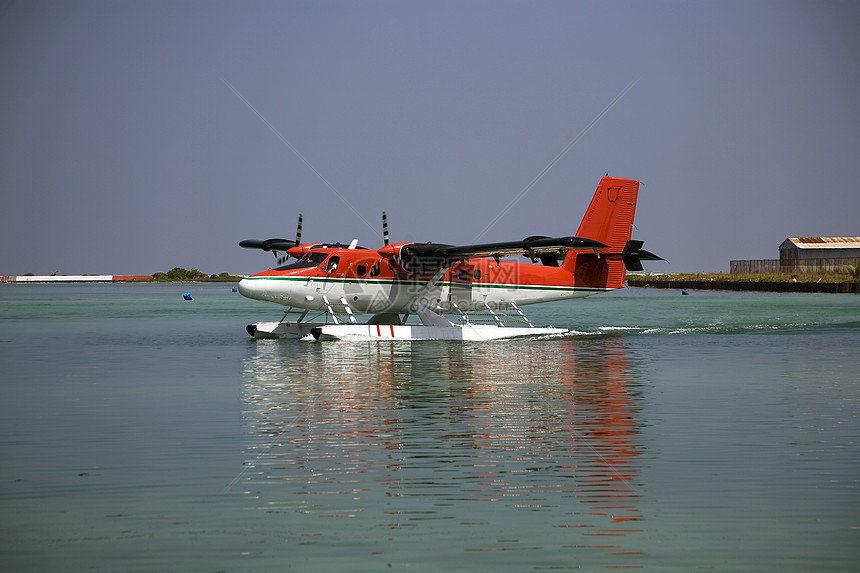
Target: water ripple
x=445 y=436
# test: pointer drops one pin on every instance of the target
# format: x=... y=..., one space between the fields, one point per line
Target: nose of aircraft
x=251 y=289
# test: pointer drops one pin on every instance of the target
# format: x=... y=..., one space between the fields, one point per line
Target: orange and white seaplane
x=409 y=290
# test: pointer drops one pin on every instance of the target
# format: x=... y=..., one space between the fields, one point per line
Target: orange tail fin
x=609 y=219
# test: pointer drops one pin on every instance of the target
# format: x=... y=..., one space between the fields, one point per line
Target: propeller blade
x=385 y=228
x=299 y=231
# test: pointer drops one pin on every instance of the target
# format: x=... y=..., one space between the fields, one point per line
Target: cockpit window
x=311 y=259
x=332 y=264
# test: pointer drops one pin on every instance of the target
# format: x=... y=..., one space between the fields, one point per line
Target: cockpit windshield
x=311 y=259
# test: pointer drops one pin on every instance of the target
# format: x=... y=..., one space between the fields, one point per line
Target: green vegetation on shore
x=832 y=282
x=178 y=274
x=773 y=277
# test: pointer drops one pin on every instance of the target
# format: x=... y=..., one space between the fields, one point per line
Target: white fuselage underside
x=370 y=296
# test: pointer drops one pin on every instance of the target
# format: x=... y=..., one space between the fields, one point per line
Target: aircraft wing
x=530 y=247
x=427 y=257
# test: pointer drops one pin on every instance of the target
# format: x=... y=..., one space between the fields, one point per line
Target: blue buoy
x=684 y=291
x=187 y=296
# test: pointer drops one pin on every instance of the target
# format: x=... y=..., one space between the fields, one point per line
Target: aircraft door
x=461 y=285
x=330 y=270
x=319 y=280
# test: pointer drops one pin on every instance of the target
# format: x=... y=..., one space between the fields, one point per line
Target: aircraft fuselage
x=373 y=284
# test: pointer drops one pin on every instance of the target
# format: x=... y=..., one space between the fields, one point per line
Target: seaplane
x=433 y=291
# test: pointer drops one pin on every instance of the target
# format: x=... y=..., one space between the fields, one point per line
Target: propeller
x=275 y=245
x=283 y=259
x=385 y=228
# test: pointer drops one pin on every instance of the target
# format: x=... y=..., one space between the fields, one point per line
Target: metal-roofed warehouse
x=817 y=254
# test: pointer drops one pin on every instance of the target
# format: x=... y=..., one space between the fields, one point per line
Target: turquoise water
x=141 y=432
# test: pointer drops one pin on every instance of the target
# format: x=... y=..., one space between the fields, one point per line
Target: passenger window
x=360 y=270
x=477 y=274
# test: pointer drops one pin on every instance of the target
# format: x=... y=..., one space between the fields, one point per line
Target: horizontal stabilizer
x=633 y=255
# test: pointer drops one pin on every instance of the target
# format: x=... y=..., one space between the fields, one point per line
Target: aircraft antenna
x=556 y=159
x=385 y=228
x=299 y=155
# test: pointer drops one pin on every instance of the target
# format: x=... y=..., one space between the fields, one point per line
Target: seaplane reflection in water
x=415 y=291
x=454 y=442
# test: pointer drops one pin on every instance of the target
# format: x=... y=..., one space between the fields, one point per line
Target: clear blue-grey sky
x=124 y=148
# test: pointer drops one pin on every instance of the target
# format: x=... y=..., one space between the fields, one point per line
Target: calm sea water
x=141 y=432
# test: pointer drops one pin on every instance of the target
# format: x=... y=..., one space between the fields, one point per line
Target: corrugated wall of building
x=819 y=265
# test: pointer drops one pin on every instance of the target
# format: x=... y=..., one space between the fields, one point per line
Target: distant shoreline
x=724 y=283
x=79 y=279
x=716 y=281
